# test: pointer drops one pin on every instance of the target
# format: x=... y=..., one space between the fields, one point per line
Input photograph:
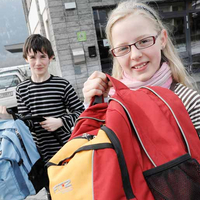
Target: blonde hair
x=169 y=53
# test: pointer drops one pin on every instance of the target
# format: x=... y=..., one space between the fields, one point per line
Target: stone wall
x=64 y=25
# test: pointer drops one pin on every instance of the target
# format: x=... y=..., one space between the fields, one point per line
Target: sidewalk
x=39 y=196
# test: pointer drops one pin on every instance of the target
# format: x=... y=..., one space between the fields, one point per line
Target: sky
x=13 y=30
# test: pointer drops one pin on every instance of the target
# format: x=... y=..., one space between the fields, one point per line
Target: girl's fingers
x=96 y=83
x=98 y=74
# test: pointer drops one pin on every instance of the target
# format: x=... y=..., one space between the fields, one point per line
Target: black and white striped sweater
x=191 y=101
x=52 y=98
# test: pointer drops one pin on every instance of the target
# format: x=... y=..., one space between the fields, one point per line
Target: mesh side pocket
x=178 y=179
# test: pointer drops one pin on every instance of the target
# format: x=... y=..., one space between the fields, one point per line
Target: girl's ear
x=164 y=38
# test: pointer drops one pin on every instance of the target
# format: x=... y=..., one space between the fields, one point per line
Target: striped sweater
x=52 y=98
x=191 y=101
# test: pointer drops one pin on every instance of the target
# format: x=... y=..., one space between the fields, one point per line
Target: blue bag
x=22 y=171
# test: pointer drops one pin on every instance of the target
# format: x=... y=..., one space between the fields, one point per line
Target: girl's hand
x=96 y=84
x=4 y=114
x=51 y=123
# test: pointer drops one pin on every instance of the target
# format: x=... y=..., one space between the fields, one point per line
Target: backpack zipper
x=93 y=118
x=85 y=136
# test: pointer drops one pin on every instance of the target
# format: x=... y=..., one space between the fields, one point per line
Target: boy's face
x=39 y=62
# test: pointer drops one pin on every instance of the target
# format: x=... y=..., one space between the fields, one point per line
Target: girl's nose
x=135 y=53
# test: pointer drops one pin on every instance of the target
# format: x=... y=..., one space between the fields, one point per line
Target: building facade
x=76 y=31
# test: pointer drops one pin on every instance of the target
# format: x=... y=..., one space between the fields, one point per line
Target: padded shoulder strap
x=160 y=94
x=181 y=117
x=173 y=86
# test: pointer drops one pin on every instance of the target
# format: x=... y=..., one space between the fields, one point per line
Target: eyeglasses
x=141 y=44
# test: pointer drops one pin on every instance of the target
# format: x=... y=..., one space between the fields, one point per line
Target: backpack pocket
x=12 y=183
x=177 y=179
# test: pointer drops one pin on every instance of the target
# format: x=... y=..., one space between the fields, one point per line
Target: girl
x=143 y=54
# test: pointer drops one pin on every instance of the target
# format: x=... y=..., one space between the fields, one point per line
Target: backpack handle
x=117 y=85
x=11 y=112
x=96 y=100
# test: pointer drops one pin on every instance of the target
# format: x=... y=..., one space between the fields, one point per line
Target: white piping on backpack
x=92 y=175
x=135 y=130
x=96 y=119
x=183 y=134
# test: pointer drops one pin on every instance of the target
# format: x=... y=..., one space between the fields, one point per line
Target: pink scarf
x=163 y=78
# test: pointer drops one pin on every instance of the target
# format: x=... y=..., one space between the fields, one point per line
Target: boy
x=49 y=96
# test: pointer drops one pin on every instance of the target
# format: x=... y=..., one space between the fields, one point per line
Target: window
x=9 y=81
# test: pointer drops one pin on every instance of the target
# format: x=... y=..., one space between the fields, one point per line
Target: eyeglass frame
x=129 y=45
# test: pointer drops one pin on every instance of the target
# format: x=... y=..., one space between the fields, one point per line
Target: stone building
x=76 y=31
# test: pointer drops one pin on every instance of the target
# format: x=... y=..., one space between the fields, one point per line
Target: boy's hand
x=51 y=123
x=4 y=114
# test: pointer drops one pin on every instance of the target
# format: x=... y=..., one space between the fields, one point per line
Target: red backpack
x=155 y=150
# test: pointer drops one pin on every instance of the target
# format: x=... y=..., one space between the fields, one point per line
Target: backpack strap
x=181 y=130
x=83 y=148
x=20 y=179
x=10 y=111
x=173 y=85
x=122 y=163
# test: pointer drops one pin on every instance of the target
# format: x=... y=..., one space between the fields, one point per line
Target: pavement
x=41 y=195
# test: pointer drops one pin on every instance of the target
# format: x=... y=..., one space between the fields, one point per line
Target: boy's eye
x=43 y=56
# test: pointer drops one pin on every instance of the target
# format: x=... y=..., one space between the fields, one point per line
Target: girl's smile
x=140 y=67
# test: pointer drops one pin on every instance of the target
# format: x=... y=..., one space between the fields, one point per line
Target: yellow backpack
x=70 y=170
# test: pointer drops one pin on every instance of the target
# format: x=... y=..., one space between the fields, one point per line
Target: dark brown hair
x=37 y=42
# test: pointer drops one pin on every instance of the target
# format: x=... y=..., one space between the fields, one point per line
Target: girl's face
x=39 y=63
x=138 y=64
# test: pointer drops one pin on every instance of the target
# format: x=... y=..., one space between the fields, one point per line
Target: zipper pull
x=88 y=136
